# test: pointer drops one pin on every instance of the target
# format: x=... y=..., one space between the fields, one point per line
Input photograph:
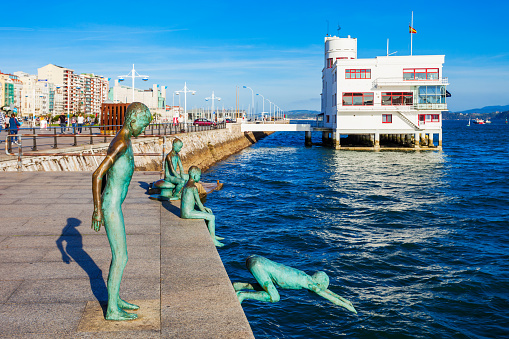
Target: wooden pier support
x=307 y=141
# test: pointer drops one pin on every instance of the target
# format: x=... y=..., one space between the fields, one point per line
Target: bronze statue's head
x=195 y=173
x=137 y=117
x=321 y=279
x=177 y=144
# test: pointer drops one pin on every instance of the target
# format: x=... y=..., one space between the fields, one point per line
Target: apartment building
x=80 y=93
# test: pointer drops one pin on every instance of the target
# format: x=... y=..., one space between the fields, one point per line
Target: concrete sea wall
x=202 y=149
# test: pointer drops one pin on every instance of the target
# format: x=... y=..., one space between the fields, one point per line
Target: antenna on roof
x=339 y=28
x=327 y=27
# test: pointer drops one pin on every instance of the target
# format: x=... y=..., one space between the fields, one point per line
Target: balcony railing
x=406 y=108
x=441 y=107
x=382 y=82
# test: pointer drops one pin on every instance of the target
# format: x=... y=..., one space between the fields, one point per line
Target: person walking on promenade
x=110 y=183
x=81 y=120
x=61 y=119
x=2 y=121
x=73 y=123
x=13 y=128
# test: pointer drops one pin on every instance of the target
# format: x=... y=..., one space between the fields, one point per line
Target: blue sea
x=417 y=241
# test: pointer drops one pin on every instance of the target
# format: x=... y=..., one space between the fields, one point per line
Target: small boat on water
x=478 y=121
x=487 y=121
x=468 y=122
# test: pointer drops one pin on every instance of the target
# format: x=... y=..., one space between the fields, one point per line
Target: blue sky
x=274 y=47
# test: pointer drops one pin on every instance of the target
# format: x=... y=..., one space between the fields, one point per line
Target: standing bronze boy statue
x=110 y=183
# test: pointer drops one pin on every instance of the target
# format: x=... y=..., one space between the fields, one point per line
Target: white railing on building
x=440 y=107
x=381 y=82
x=406 y=108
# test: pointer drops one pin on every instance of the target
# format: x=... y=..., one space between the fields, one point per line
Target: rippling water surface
x=418 y=241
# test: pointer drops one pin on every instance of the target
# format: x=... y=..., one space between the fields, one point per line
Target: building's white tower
x=339 y=48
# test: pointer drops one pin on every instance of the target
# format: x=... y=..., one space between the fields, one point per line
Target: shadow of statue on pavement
x=74 y=250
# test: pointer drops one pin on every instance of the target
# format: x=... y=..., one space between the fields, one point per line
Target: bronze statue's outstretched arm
x=117 y=147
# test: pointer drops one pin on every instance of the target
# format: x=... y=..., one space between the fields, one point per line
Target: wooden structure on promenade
x=112 y=117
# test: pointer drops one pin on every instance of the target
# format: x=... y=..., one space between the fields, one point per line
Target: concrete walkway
x=53 y=266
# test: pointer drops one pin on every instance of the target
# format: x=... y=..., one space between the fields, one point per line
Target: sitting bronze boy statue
x=174 y=176
x=191 y=199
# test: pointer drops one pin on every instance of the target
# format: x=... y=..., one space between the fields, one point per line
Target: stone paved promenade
x=53 y=266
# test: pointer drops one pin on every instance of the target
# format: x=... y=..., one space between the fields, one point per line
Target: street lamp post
x=270 y=107
x=263 y=103
x=252 y=100
x=213 y=97
x=133 y=74
x=185 y=90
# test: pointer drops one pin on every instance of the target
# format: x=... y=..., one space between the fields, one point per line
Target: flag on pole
x=412 y=30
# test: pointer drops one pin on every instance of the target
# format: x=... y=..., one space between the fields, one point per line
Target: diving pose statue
x=191 y=198
x=268 y=274
x=110 y=183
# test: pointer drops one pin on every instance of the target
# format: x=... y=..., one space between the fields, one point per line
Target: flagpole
x=411 y=34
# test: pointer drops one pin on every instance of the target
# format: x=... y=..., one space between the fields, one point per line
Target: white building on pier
x=387 y=100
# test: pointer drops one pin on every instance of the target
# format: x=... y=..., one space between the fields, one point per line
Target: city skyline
x=274 y=48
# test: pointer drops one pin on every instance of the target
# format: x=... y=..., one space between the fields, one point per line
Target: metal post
x=20 y=154
x=91 y=137
x=55 y=138
x=9 y=142
x=34 y=146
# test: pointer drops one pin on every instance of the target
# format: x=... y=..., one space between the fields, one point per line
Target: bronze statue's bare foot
x=127 y=306
x=119 y=315
x=219 y=238
x=217 y=243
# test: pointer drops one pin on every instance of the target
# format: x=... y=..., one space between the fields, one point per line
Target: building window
x=387 y=118
x=397 y=98
x=328 y=117
x=432 y=94
x=429 y=118
x=420 y=74
x=357 y=74
x=358 y=99
x=330 y=62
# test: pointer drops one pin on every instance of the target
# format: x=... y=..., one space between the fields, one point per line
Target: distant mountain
x=301 y=114
x=487 y=109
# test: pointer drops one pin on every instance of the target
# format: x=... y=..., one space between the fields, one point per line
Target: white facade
x=154 y=98
x=399 y=95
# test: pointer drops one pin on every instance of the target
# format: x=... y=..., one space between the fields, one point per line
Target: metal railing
x=380 y=82
x=93 y=136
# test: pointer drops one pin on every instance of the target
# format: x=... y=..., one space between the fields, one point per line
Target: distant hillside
x=301 y=114
x=466 y=116
x=487 y=109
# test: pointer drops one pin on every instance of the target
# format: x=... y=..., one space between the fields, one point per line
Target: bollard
x=55 y=138
x=91 y=137
x=9 y=142
x=75 y=141
x=34 y=146
x=165 y=128
x=159 y=128
x=20 y=154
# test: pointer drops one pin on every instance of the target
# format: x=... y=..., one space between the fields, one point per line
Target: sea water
x=418 y=241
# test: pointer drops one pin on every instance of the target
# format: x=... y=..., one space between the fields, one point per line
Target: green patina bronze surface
x=270 y=274
x=110 y=183
x=191 y=199
x=174 y=176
